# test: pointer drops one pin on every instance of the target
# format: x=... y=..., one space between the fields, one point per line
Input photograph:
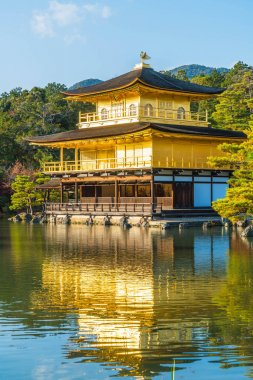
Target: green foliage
x=39 y=111
x=215 y=79
x=235 y=105
x=238 y=203
x=181 y=74
x=25 y=193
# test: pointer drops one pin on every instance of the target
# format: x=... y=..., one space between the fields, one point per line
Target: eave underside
x=75 y=138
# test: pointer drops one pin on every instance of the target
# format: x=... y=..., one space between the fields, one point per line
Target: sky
x=66 y=41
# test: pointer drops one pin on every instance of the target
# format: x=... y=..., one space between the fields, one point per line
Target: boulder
x=16 y=219
x=90 y=221
x=107 y=220
x=52 y=219
x=43 y=219
x=165 y=226
x=207 y=225
x=183 y=225
x=124 y=222
x=242 y=223
x=36 y=220
x=248 y=232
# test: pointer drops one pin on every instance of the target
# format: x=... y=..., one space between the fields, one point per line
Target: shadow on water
x=137 y=301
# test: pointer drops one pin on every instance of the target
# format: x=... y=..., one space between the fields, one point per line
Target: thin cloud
x=64 y=14
x=59 y=15
x=106 y=12
x=70 y=39
x=42 y=25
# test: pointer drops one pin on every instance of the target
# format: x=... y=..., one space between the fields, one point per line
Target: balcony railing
x=123 y=163
x=178 y=116
x=103 y=208
x=99 y=164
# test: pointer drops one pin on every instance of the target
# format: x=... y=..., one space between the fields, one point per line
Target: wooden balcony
x=142 y=114
x=97 y=208
x=97 y=165
x=101 y=165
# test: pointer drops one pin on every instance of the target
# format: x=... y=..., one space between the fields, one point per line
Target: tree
x=238 y=202
x=25 y=193
x=181 y=74
x=234 y=108
x=39 y=111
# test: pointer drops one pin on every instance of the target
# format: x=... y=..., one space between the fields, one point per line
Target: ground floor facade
x=139 y=192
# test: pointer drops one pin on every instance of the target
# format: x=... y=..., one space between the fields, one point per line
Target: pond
x=81 y=302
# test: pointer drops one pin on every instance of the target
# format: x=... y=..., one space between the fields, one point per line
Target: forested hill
x=195 y=70
x=85 y=83
x=191 y=71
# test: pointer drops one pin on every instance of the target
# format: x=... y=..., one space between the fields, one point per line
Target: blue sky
x=66 y=41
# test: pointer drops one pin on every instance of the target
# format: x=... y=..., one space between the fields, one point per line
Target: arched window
x=148 y=110
x=132 y=110
x=181 y=113
x=104 y=114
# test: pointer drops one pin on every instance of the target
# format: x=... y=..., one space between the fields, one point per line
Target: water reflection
x=137 y=301
x=142 y=299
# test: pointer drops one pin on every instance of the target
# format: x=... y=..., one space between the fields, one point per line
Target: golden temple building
x=142 y=150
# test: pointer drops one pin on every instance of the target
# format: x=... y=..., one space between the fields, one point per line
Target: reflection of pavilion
x=142 y=297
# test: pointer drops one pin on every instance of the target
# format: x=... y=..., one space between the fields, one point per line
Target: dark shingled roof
x=121 y=129
x=149 y=77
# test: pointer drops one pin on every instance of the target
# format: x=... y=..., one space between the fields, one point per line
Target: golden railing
x=123 y=163
x=141 y=112
x=98 y=164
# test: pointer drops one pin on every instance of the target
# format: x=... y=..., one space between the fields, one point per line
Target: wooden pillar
x=76 y=192
x=61 y=193
x=152 y=193
x=96 y=194
x=77 y=158
x=116 y=192
x=61 y=156
x=135 y=191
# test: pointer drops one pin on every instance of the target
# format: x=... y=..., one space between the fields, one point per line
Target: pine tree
x=238 y=203
x=234 y=108
x=25 y=193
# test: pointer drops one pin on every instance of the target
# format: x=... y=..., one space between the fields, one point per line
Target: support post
x=116 y=194
x=152 y=193
x=76 y=192
x=61 y=193
x=76 y=158
x=61 y=157
x=96 y=194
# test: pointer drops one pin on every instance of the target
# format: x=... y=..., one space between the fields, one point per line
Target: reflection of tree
x=235 y=299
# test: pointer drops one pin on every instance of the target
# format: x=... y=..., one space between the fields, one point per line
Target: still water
x=79 y=302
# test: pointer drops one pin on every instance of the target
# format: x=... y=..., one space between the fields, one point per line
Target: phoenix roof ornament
x=144 y=57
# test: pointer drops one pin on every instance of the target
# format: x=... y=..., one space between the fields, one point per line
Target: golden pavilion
x=142 y=151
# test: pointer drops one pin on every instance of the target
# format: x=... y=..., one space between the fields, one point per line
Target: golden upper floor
x=142 y=95
x=136 y=146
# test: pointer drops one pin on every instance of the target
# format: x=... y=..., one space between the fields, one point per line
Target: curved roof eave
x=124 y=129
x=147 y=77
x=145 y=84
